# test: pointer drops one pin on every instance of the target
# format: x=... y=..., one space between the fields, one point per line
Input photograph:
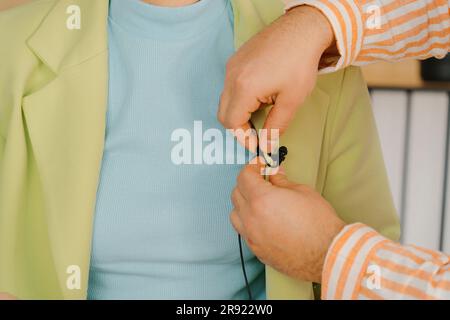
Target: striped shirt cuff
x=347 y=261
x=346 y=20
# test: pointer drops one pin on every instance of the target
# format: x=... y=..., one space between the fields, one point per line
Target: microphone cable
x=272 y=163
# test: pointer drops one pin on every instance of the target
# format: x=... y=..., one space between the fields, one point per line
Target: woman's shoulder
x=18 y=23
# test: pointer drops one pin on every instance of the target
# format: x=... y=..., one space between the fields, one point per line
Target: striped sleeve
x=368 y=31
x=362 y=264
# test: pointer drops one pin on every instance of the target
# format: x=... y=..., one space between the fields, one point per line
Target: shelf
x=402 y=75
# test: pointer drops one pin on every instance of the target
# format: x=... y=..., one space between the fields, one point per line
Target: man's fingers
x=235 y=110
x=277 y=121
x=238 y=101
x=251 y=181
x=280 y=180
x=236 y=107
x=224 y=103
x=237 y=199
x=247 y=137
x=6 y=296
x=237 y=223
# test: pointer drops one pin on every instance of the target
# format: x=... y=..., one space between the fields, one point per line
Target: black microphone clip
x=274 y=160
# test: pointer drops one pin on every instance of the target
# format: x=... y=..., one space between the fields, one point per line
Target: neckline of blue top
x=166 y=23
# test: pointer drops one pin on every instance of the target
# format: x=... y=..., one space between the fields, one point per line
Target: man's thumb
x=280 y=180
x=281 y=114
x=6 y=296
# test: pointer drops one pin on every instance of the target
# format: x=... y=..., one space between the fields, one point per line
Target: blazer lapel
x=65 y=120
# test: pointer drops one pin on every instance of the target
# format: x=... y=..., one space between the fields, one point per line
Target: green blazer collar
x=59 y=46
x=65 y=123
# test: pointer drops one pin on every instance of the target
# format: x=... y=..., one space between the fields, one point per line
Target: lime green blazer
x=53 y=98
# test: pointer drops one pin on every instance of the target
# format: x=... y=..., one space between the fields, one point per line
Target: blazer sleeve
x=356 y=183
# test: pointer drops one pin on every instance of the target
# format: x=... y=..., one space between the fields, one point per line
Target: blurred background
x=413 y=120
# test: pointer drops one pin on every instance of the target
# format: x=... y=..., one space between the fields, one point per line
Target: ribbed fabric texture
x=161 y=230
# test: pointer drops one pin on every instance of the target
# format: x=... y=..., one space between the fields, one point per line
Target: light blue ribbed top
x=161 y=230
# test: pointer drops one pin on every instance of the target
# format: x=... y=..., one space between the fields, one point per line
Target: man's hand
x=278 y=66
x=287 y=226
x=6 y=296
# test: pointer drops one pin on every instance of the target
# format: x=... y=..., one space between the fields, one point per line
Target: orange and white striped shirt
x=362 y=264
x=372 y=30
